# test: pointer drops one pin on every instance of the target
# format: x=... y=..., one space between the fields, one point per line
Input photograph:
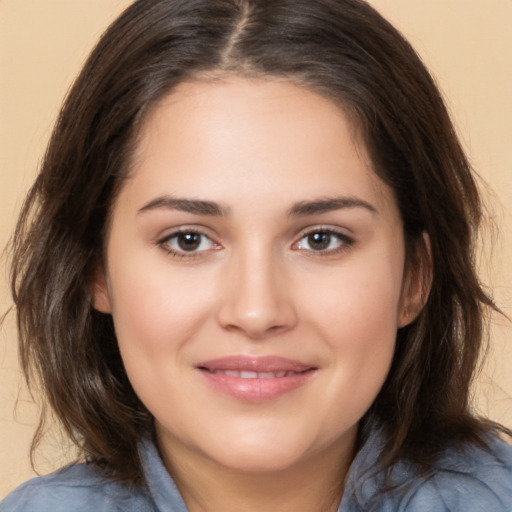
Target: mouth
x=255 y=379
x=252 y=375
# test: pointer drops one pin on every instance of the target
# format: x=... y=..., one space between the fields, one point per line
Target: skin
x=258 y=284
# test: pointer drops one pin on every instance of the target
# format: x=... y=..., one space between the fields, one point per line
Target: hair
x=341 y=49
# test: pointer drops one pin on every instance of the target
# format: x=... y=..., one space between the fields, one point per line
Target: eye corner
x=188 y=243
x=323 y=241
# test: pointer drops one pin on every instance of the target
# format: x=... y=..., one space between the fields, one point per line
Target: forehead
x=234 y=106
x=241 y=132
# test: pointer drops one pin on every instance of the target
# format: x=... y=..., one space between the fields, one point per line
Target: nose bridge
x=257 y=300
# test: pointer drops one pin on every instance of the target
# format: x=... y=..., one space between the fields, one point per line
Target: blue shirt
x=473 y=480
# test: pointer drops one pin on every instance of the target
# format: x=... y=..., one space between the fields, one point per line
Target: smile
x=255 y=375
x=255 y=380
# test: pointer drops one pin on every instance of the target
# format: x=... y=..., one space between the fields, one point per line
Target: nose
x=257 y=299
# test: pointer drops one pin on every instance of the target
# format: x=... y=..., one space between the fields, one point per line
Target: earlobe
x=99 y=292
x=417 y=283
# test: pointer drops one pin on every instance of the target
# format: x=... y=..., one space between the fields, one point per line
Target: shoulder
x=472 y=479
x=77 y=488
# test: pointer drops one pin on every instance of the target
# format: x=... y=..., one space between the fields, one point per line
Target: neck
x=314 y=484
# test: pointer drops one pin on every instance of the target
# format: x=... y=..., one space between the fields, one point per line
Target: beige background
x=467 y=45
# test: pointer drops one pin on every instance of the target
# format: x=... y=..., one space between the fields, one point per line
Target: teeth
x=248 y=375
x=254 y=375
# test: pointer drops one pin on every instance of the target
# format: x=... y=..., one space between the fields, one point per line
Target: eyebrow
x=195 y=206
x=324 y=205
x=300 y=209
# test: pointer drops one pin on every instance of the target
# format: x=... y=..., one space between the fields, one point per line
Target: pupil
x=319 y=241
x=189 y=241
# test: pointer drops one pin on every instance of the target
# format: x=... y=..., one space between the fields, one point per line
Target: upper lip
x=255 y=364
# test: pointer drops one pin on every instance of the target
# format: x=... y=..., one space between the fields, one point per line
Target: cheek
x=155 y=310
x=358 y=317
x=156 y=317
x=363 y=300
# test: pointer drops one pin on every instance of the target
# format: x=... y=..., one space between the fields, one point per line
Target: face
x=255 y=274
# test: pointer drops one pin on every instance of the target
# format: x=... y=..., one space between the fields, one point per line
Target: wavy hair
x=342 y=49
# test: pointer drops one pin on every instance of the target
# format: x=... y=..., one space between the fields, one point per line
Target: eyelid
x=163 y=242
x=346 y=241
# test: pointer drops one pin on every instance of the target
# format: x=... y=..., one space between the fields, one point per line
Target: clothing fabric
x=473 y=480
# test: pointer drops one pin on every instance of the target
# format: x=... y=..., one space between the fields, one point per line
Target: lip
x=280 y=376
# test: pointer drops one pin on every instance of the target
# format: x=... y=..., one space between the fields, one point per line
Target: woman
x=244 y=275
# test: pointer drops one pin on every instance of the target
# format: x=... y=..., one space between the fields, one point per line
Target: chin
x=264 y=453
x=258 y=462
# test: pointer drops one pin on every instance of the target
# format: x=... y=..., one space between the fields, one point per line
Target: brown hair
x=342 y=49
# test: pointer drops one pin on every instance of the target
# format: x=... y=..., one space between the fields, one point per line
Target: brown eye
x=323 y=241
x=188 y=241
x=319 y=241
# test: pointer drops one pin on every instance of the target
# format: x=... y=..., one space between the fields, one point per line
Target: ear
x=99 y=292
x=417 y=282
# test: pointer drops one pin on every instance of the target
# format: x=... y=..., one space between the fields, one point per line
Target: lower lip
x=256 y=390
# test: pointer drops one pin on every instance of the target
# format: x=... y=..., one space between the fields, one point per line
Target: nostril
x=256 y=328
x=256 y=304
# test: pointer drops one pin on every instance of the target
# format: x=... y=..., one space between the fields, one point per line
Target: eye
x=323 y=241
x=183 y=243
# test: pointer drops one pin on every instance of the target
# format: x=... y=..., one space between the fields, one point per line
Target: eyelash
x=344 y=242
x=181 y=254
